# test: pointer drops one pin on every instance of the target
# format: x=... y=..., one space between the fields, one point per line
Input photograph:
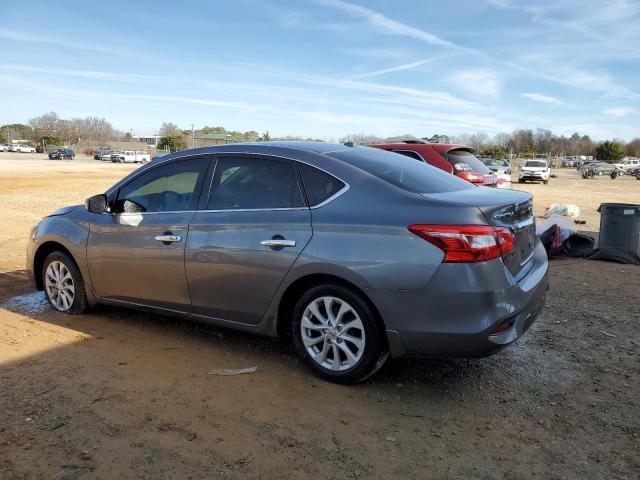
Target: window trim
x=332 y=197
x=291 y=161
x=196 y=192
x=213 y=163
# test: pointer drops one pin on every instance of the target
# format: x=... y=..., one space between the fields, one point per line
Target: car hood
x=63 y=211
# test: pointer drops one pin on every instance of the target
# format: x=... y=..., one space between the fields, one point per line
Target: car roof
x=267 y=148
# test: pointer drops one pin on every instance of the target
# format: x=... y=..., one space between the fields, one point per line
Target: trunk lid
x=502 y=208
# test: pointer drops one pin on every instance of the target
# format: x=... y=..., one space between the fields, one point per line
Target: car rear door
x=136 y=252
x=252 y=228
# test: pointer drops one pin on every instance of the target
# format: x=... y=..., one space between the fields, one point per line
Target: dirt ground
x=120 y=394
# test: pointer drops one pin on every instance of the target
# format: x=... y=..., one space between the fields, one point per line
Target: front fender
x=71 y=231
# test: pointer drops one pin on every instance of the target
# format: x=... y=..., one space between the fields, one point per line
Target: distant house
x=213 y=139
x=150 y=140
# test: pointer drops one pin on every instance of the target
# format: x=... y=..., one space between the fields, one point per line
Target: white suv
x=535 y=171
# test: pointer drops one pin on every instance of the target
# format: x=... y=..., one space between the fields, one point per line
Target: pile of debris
x=619 y=239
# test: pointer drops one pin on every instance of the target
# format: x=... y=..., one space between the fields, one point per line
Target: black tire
x=375 y=350
x=546 y=182
x=79 y=304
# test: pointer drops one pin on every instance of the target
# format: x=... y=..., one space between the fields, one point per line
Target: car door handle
x=168 y=238
x=277 y=243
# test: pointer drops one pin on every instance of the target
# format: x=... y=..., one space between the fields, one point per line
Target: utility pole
x=193 y=137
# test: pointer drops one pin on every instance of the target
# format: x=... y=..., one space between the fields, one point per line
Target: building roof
x=214 y=136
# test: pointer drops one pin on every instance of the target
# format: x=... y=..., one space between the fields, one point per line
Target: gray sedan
x=356 y=253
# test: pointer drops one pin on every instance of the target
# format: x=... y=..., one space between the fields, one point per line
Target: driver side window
x=168 y=188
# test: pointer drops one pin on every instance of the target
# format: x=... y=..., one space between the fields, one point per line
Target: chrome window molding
x=151 y=165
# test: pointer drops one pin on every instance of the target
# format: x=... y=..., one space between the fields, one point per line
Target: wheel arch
x=41 y=254
x=304 y=283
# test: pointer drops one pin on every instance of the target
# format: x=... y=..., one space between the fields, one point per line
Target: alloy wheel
x=333 y=333
x=59 y=285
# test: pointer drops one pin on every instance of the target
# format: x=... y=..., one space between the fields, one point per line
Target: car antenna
x=348 y=144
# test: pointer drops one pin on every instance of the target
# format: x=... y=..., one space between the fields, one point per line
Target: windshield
x=492 y=162
x=465 y=161
x=400 y=171
x=536 y=163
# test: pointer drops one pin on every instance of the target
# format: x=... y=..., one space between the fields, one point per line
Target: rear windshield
x=401 y=171
x=464 y=161
x=492 y=162
x=536 y=163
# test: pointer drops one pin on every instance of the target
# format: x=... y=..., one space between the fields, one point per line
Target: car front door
x=244 y=241
x=136 y=251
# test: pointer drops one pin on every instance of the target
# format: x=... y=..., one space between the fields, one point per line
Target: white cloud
x=539 y=97
x=619 y=111
x=388 y=25
x=481 y=82
x=621 y=38
x=398 y=68
x=28 y=37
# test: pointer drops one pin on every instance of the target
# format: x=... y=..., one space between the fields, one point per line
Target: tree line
x=53 y=130
x=523 y=142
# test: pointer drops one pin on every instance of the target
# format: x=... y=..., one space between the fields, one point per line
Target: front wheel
x=63 y=284
x=336 y=333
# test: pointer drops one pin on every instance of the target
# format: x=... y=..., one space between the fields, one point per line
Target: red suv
x=458 y=160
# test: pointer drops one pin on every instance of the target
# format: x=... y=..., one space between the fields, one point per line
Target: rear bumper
x=457 y=314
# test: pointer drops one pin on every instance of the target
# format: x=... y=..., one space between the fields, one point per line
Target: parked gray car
x=356 y=253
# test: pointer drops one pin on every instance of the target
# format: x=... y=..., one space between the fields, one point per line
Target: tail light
x=473 y=177
x=467 y=243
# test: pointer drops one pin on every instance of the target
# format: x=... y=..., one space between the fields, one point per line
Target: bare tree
x=361 y=139
x=167 y=128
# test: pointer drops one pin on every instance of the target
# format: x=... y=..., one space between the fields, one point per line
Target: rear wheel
x=63 y=284
x=336 y=333
x=545 y=182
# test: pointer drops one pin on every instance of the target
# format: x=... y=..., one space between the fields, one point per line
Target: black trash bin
x=620 y=227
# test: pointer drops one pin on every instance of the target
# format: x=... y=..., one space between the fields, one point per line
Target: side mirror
x=97 y=203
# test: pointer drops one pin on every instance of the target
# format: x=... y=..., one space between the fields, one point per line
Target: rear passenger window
x=318 y=185
x=254 y=183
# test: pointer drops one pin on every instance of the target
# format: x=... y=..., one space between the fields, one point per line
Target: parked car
x=356 y=253
x=22 y=148
x=626 y=165
x=635 y=172
x=130 y=156
x=62 y=153
x=4 y=147
x=496 y=165
x=534 y=171
x=104 y=154
x=593 y=169
x=458 y=160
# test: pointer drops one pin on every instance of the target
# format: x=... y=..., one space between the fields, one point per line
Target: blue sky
x=326 y=68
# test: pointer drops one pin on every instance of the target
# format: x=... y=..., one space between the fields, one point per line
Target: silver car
x=357 y=253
